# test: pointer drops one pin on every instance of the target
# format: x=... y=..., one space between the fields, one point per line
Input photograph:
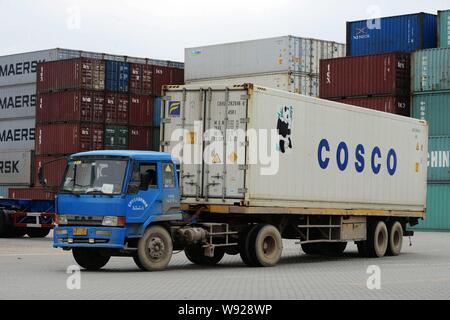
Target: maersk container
x=117 y=76
x=141 y=110
x=405 y=33
x=68 y=138
x=157 y=112
x=444 y=29
x=438 y=208
x=382 y=74
x=15 y=168
x=435 y=109
x=292 y=151
x=17 y=134
x=391 y=104
x=70 y=106
x=82 y=73
x=439 y=159
x=295 y=83
x=285 y=54
x=431 y=70
x=18 y=101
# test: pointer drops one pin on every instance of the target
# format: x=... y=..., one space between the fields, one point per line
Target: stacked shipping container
x=444 y=29
x=431 y=102
x=286 y=63
x=74 y=100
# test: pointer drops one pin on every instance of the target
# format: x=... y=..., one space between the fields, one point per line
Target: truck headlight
x=113 y=221
x=61 y=220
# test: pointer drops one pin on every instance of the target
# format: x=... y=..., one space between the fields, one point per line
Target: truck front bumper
x=93 y=237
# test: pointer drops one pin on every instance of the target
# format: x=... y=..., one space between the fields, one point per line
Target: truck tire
x=332 y=249
x=265 y=245
x=138 y=263
x=196 y=255
x=395 y=231
x=37 y=233
x=90 y=259
x=377 y=239
x=155 y=249
x=245 y=238
x=311 y=248
x=5 y=228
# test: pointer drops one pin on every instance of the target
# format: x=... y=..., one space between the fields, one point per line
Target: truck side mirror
x=41 y=175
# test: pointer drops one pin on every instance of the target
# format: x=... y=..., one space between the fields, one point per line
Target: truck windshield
x=95 y=176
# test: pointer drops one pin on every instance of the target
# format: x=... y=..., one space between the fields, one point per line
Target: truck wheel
x=196 y=255
x=377 y=239
x=5 y=229
x=332 y=249
x=311 y=248
x=266 y=245
x=155 y=249
x=244 y=249
x=90 y=259
x=395 y=231
x=138 y=263
x=37 y=233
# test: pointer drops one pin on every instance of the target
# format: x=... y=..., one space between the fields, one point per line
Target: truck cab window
x=148 y=176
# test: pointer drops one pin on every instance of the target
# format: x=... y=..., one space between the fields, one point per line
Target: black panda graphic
x=284 y=128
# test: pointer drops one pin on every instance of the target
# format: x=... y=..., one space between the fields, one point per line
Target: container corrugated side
x=431 y=70
x=32 y=193
x=17 y=134
x=18 y=101
x=438 y=208
x=308 y=135
x=439 y=159
x=116 y=137
x=141 y=110
x=141 y=79
x=140 y=138
x=16 y=168
x=390 y=104
x=384 y=74
x=256 y=57
x=435 y=109
x=444 y=29
x=54 y=167
x=165 y=76
x=405 y=33
x=117 y=108
x=117 y=76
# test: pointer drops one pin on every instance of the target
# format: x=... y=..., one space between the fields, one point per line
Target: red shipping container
x=362 y=76
x=54 y=168
x=141 y=110
x=32 y=194
x=166 y=76
x=80 y=73
x=390 y=104
x=68 y=138
x=140 y=138
x=140 y=81
x=98 y=108
x=116 y=108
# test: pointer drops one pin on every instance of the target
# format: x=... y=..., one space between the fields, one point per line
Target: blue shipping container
x=406 y=33
x=117 y=76
x=157 y=112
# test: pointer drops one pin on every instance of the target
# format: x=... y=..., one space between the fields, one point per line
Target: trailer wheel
x=196 y=255
x=332 y=248
x=245 y=238
x=377 y=239
x=266 y=245
x=5 y=229
x=311 y=248
x=395 y=231
x=155 y=249
x=37 y=233
x=90 y=259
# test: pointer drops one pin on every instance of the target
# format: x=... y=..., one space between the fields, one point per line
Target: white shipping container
x=296 y=83
x=273 y=55
x=18 y=101
x=315 y=154
x=17 y=134
x=15 y=168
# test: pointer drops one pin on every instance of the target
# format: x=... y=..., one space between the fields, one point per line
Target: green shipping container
x=156 y=139
x=439 y=159
x=444 y=29
x=438 y=208
x=434 y=108
x=116 y=138
x=431 y=70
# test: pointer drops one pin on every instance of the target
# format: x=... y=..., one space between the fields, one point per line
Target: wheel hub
x=156 y=248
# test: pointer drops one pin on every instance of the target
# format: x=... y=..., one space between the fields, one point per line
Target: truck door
x=170 y=191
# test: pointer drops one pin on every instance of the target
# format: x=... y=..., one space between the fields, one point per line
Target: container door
x=225 y=120
x=182 y=124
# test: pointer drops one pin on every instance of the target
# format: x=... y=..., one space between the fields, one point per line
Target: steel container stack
x=286 y=63
x=431 y=102
x=444 y=29
x=72 y=111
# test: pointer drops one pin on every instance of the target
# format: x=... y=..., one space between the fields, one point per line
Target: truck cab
x=109 y=200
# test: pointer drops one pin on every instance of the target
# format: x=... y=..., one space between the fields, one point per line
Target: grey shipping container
x=430 y=70
x=18 y=101
x=20 y=68
x=17 y=135
x=264 y=56
x=435 y=109
x=15 y=168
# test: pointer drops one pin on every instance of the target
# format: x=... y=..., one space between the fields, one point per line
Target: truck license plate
x=80 y=232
